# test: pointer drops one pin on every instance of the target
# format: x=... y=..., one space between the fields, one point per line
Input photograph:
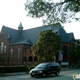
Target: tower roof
x=20 y=27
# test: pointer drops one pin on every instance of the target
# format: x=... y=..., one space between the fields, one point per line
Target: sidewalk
x=67 y=69
x=11 y=74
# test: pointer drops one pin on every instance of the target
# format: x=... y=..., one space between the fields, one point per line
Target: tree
x=75 y=53
x=53 y=12
x=47 y=46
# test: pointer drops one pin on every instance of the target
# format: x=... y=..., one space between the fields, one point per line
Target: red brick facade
x=23 y=53
x=25 y=57
x=5 y=60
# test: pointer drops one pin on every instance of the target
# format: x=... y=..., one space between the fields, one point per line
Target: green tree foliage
x=75 y=55
x=53 y=12
x=77 y=59
x=47 y=46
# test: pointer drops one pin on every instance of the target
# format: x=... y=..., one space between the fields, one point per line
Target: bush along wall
x=10 y=69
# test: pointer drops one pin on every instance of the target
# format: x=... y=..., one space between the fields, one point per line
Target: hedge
x=11 y=69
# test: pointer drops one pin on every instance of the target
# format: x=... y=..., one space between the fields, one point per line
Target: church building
x=15 y=45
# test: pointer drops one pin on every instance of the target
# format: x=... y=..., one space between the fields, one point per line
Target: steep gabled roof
x=14 y=34
x=71 y=36
x=63 y=34
x=31 y=35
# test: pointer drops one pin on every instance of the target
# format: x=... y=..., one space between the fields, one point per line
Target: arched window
x=30 y=59
x=35 y=59
x=18 y=55
x=2 y=46
x=11 y=55
x=5 y=49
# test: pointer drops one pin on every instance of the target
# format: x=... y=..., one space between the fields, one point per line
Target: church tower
x=20 y=27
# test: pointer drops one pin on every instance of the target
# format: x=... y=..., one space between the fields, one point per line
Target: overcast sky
x=12 y=12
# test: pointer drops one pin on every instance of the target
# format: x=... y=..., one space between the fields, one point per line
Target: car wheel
x=32 y=75
x=57 y=73
x=43 y=75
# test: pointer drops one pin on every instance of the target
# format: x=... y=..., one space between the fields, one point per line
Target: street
x=64 y=75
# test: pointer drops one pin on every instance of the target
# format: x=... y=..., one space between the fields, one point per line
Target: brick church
x=15 y=45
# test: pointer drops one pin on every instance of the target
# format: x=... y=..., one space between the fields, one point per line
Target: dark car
x=44 y=69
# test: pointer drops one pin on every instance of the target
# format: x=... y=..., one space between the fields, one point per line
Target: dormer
x=20 y=28
x=55 y=31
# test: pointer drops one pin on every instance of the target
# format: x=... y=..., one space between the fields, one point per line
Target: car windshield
x=42 y=65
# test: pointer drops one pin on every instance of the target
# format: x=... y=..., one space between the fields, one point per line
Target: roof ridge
x=44 y=26
x=8 y=27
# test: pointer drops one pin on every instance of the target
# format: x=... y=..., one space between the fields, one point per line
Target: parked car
x=44 y=69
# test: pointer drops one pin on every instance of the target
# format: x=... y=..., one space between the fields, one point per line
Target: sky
x=12 y=12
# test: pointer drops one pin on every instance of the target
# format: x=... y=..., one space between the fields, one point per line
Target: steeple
x=20 y=27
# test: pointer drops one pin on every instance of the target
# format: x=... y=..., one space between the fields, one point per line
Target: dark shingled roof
x=31 y=35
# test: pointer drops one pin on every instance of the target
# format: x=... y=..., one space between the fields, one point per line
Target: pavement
x=22 y=73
